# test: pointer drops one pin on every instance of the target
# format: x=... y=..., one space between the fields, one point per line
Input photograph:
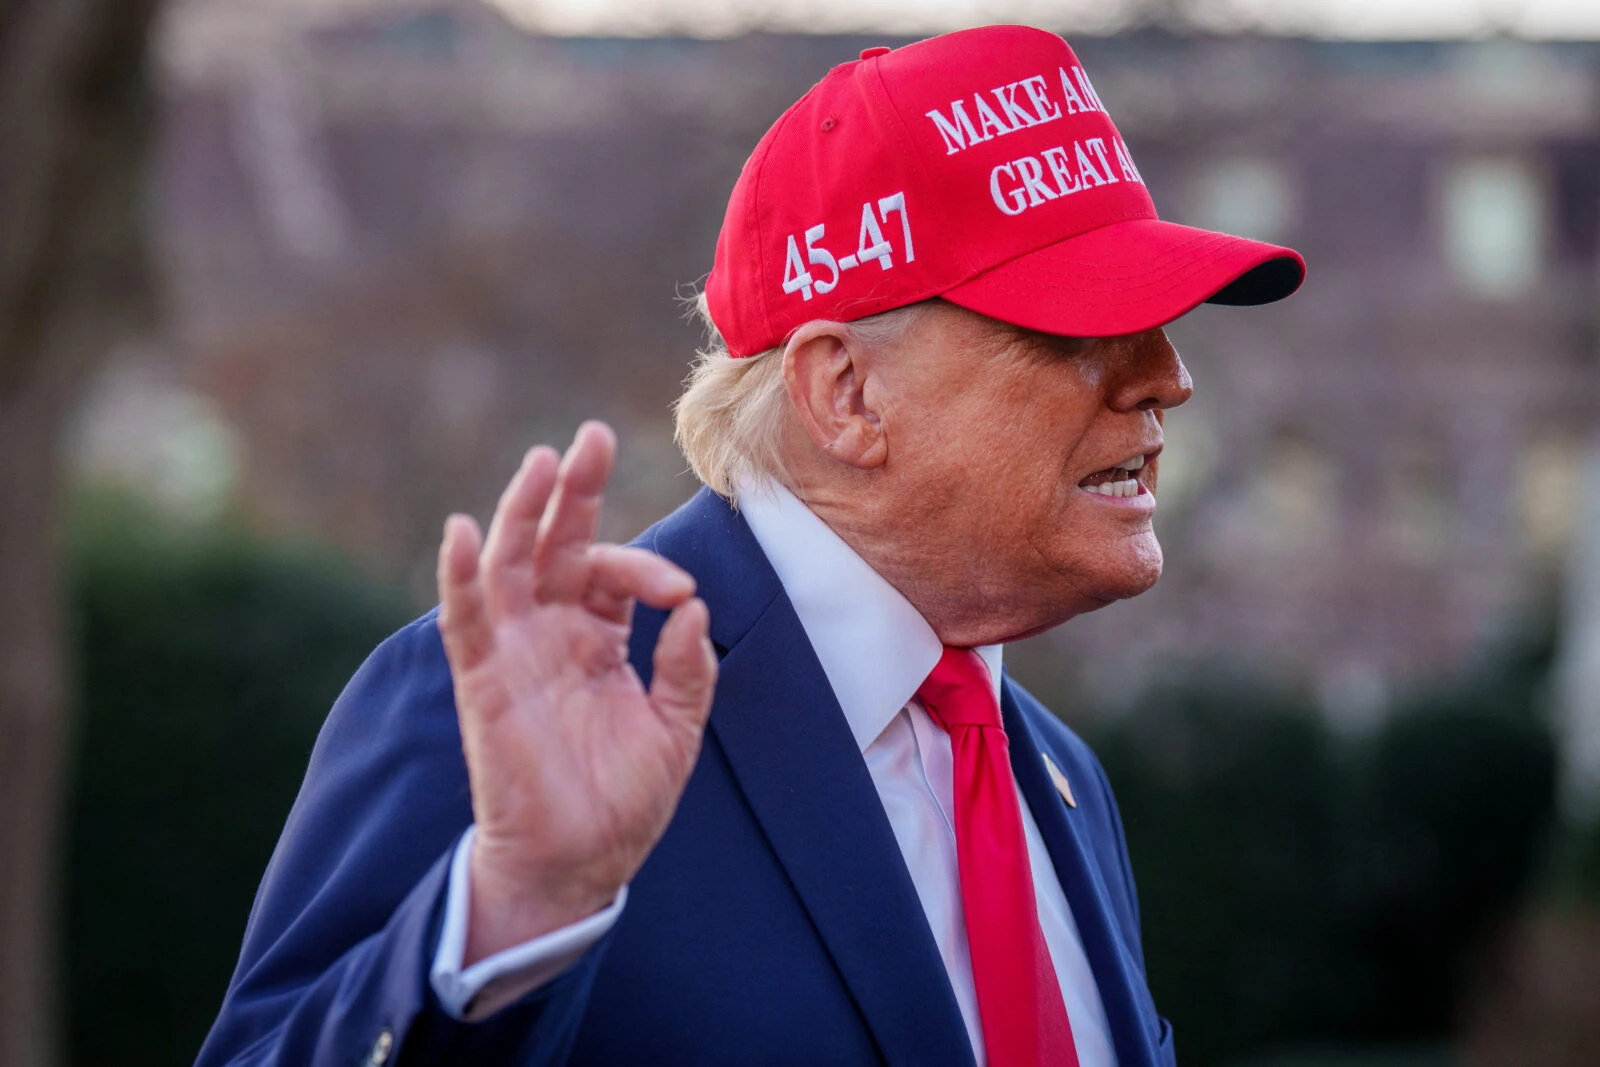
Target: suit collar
x=875 y=648
x=711 y=541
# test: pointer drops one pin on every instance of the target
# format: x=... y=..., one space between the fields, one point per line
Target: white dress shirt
x=876 y=650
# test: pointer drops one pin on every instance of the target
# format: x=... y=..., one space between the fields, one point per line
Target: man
x=755 y=789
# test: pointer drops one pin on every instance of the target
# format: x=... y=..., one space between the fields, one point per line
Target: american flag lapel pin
x=1060 y=780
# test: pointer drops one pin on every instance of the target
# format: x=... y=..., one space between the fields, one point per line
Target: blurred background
x=282 y=282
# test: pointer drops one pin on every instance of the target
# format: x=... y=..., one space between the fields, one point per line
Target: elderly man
x=755 y=789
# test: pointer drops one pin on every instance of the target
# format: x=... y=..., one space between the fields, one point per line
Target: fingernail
x=597 y=426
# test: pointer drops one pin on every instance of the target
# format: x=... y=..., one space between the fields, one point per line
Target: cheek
x=1031 y=507
x=1031 y=471
x=1064 y=409
x=1014 y=445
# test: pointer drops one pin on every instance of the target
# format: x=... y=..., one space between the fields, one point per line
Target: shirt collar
x=875 y=648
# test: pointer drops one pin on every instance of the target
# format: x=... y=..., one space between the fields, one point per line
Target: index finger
x=573 y=515
x=508 y=549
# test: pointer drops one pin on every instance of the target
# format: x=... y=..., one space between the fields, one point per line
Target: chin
x=1136 y=569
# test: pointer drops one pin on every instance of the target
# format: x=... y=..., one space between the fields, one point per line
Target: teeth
x=1124 y=487
x=1133 y=464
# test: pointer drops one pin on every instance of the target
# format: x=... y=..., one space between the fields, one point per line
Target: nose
x=1150 y=375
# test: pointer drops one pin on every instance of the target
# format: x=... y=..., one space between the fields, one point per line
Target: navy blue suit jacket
x=775 y=923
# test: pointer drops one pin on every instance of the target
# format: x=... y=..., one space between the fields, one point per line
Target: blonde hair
x=731 y=416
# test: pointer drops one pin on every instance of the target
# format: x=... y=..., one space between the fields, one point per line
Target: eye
x=1047 y=347
x=1061 y=347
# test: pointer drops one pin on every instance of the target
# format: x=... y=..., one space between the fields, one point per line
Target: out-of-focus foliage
x=205 y=664
x=1303 y=889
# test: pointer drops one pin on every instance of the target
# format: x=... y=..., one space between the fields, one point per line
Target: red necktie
x=1019 y=998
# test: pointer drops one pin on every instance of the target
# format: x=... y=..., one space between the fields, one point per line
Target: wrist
x=508 y=907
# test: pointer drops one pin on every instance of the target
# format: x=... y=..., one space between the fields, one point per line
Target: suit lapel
x=799 y=769
x=1064 y=835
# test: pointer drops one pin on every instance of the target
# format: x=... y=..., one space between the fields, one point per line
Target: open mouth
x=1123 y=480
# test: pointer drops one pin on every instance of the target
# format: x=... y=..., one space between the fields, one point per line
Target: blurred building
x=404 y=242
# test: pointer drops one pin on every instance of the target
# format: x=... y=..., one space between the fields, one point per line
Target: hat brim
x=1128 y=277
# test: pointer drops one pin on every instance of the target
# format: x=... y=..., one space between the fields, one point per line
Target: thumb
x=685 y=668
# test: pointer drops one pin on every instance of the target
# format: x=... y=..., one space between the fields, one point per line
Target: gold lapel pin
x=1060 y=780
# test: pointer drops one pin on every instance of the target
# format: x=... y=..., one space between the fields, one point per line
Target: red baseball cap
x=979 y=166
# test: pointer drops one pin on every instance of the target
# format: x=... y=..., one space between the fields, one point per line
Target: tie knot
x=959 y=691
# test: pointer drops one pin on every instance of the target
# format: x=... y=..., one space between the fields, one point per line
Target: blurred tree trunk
x=75 y=120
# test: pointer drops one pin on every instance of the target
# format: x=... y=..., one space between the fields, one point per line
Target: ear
x=830 y=383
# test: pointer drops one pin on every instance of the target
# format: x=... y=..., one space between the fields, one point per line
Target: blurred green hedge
x=1296 y=887
x=1306 y=891
x=206 y=662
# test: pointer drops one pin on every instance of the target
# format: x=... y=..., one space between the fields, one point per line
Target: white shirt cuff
x=479 y=991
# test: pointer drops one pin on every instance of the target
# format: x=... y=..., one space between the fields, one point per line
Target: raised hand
x=575 y=768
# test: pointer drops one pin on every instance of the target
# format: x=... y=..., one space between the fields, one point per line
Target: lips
x=1122 y=480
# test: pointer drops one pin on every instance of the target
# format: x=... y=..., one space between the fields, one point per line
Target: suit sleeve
x=334 y=970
